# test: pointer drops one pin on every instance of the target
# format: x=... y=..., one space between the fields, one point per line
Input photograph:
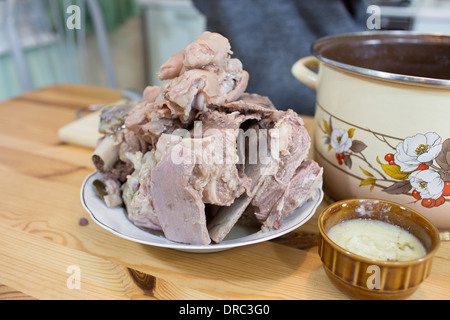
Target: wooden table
x=43 y=248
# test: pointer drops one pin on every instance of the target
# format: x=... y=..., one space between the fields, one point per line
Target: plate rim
x=212 y=247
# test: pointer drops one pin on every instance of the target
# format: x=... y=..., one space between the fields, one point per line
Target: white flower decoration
x=340 y=141
x=416 y=150
x=428 y=183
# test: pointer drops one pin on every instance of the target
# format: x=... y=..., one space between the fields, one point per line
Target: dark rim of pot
x=376 y=73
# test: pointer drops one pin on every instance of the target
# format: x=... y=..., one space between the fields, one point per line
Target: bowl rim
x=380 y=263
x=376 y=73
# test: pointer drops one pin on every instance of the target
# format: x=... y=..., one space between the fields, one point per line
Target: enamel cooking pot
x=382 y=121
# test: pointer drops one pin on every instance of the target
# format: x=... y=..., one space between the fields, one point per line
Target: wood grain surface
x=43 y=245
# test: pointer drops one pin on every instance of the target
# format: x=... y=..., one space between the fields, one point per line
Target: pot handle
x=301 y=70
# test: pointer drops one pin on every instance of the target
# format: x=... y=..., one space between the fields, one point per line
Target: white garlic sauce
x=376 y=240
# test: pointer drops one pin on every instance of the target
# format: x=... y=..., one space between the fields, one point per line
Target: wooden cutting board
x=44 y=249
x=82 y=132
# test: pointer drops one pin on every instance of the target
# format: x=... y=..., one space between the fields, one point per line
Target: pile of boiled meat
x=199 y=154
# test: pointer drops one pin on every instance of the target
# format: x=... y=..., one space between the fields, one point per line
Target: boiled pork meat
x=199 y=154
x=218 y=176
x=302 y=187
x=178 y=206
x=137 y=196
x=202 y=74
x=293 y=143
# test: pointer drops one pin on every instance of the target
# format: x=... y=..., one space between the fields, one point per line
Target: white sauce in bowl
x=376 y=240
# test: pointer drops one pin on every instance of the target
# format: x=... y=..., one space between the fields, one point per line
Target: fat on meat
x=208 y=49
x=136 y=192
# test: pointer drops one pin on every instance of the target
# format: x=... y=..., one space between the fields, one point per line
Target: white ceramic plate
x=115 y=220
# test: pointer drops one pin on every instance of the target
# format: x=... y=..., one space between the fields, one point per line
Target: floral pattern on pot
x=419 y=165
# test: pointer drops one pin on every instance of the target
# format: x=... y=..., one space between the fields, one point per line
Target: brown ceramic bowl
x=364 y=278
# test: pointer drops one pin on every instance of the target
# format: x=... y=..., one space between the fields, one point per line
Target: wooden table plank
x=7 y=293
x=40 y=235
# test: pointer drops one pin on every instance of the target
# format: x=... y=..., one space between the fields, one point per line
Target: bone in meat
x=106 y=154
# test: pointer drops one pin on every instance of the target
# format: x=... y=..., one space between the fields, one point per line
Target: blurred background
x=121 y=43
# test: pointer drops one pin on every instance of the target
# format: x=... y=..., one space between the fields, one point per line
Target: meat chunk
x=112 y=118
x=184 y=91
x=199 y=140
x=293 y=143
x=128 y=141
x=208 y=49
x=113 y=196
x=201 y=74
x=109 y=156
x=257 y=100
x=179 y=207
x=226 y=217
x=303 y=185
x=137 y=195
x=172 y=67
x=256 y=171
x=197 y=88
x=216 y=173
x=151 y=93
x=150 y=120
x=248 y=103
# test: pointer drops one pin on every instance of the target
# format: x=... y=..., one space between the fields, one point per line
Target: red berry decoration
x=446 y=191
x=439 y=201
x=339 y=157
x=428 y=202
x=416 y=194
x=389 y=157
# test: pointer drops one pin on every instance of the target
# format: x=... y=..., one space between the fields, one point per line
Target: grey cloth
x=269 y=36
